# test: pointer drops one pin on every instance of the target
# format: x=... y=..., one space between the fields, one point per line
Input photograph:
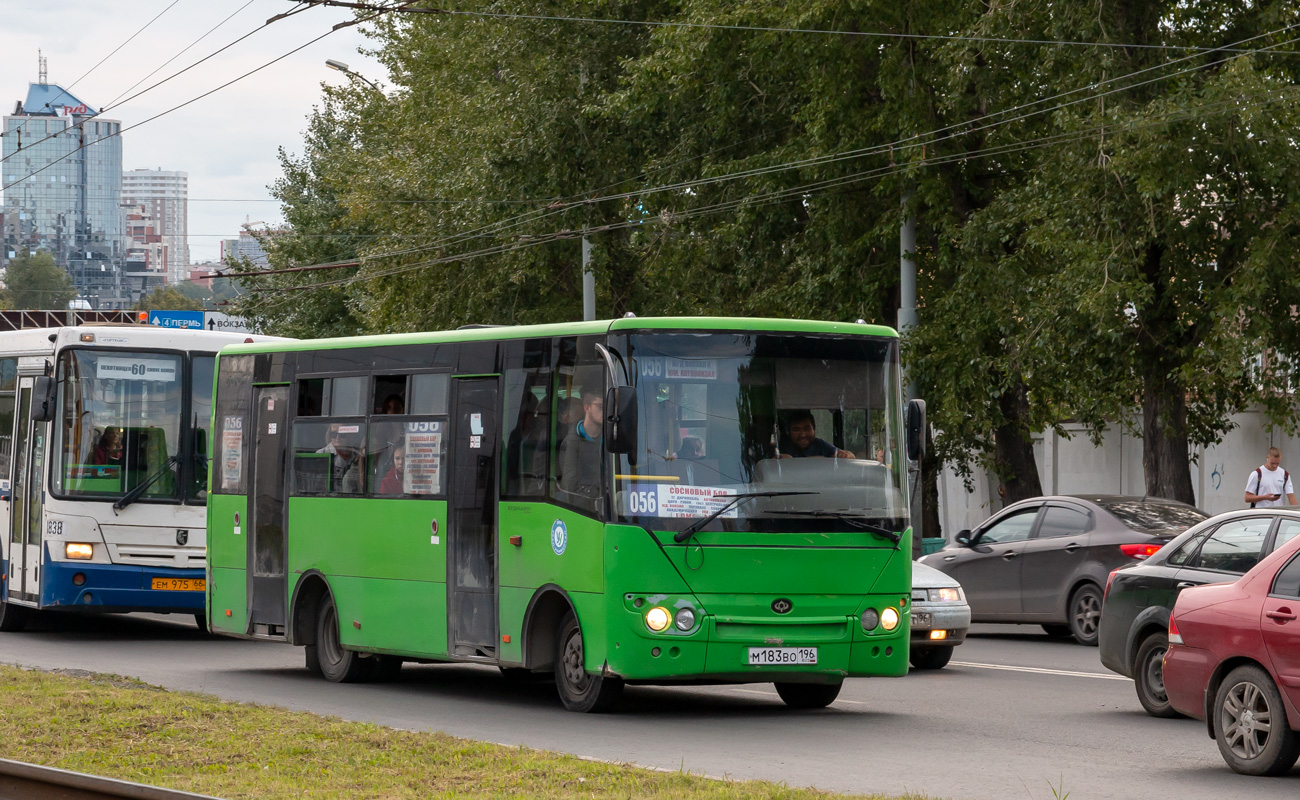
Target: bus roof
x=45 y=340
x=625 y=324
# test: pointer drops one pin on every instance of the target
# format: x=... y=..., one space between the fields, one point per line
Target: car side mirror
x=915 y=425
x=43 y=399
x=964 y=538
x=620 y=422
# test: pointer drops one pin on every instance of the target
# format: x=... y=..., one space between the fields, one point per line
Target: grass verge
x=120 y=728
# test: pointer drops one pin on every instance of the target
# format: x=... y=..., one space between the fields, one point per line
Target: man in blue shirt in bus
x=802 y=431
x=580 y=451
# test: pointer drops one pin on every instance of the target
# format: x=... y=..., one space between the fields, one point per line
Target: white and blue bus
x=104 y=452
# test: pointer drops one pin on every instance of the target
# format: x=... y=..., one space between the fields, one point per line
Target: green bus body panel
x=626 y=325
x=534 y=562
x=227 y=568
x=228 y=591
x=368 y=538
x=407 y=617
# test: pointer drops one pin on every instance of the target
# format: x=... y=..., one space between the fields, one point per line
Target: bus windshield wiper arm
x=143 y=486
x=735 y=500
x=852 y=520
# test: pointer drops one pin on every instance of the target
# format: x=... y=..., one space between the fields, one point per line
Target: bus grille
x=143 y=555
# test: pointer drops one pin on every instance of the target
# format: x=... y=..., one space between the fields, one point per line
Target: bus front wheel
x=12 y=617
x=808 y=695
x=337 y=663
x=578 y=689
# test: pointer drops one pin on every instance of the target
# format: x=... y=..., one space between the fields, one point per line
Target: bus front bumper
x=114 y=587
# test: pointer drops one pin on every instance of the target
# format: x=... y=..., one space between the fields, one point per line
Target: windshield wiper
x=736 y=499
x=853 y=520
x=143 y=486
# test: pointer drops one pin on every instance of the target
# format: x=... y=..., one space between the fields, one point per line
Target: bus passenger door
x=471 y=541
x=268 y=585
x=25 y=505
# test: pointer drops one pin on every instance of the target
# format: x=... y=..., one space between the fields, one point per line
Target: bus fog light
x=889 y=618
x=76 y=550
x=658 y=618
x=685 y=619
x=79 y=579
x=870 y=619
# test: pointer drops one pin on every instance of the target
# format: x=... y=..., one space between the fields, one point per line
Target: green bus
x=643 y=500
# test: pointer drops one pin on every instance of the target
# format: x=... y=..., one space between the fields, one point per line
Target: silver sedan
x=940 y=617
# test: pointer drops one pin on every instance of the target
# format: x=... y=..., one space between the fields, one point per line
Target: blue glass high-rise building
x=62 y=183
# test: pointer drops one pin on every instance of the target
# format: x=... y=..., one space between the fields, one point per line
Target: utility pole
x=588 y=283
x=906 y=321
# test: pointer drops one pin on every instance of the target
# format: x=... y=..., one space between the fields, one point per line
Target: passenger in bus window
x=109 y=448
x=580 y=450
x=692 y=448
x=393 y=405
x=804 y=443
x=393 y=482
x=347 y=465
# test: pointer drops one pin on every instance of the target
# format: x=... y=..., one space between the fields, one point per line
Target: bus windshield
x=122 y=425
x=810 y=423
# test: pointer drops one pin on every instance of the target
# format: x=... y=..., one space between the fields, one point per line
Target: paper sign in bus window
x=423 y=473
x=137 y=369
x=672 y=500
x=232 y=453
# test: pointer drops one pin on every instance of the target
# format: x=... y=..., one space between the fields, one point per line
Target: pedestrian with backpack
x=1267 y=484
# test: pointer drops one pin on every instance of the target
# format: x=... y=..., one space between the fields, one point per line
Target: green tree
x=168 y=298
x=35 y=281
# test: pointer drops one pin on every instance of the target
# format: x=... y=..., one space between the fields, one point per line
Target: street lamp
x=341 y=67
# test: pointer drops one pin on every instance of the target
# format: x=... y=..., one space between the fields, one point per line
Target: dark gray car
x=1045 y=560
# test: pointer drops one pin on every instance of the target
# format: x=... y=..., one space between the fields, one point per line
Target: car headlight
x=685 y=619
x=889 y=618
x=84 y=552
x=948 y=594
x=658 y=618
x=870 y=619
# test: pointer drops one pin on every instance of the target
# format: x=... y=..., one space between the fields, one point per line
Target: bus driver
x=803 y=438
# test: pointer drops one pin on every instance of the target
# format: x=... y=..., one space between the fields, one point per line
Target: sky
x=228 y=141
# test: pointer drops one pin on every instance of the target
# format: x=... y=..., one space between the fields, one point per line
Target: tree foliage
x=1101 y=226
x=168 y=298
x=34 y=280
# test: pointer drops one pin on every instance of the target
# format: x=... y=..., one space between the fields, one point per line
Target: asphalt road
x=1016 y=715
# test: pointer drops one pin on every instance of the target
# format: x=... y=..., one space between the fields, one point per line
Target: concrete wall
x=1073 y=466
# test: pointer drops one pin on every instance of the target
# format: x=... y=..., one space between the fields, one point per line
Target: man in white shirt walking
x=1268 y=483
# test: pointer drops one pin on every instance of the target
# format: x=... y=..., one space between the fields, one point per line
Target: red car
x=1234 y=661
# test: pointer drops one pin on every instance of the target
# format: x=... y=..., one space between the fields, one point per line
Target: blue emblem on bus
x=559 y=537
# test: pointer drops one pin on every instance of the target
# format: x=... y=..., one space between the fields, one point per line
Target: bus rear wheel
x=578 y=689
x=12 y=618
x=808 y=695
x=337 y=663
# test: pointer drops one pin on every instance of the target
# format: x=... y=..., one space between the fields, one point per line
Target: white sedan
x=940 y=617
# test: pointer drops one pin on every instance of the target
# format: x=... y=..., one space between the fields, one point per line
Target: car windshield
x=809 y=422
x=122 y=426
x=1146 y=516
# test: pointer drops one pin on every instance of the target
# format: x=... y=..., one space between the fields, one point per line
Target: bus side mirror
x=620 y=422
x=43 y=399
x=915 y=429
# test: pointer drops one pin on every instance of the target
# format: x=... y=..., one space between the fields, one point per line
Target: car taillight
x=1139 y=551
x=1174 y=636
x=1109 y=580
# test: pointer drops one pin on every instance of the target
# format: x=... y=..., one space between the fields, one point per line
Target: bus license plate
x=763 y=656
x=180 y=584
x=921 y=619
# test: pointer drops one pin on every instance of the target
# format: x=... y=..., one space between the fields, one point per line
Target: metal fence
x=19 y=781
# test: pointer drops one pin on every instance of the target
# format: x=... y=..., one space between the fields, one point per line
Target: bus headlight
x=685 y=619
x=889 y=618
x=870 y=619
x=85 y=552
x=658 y=618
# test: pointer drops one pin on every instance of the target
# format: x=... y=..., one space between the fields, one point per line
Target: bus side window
x=8 y=384
x=390 y=394
x=528 y=418
x=578 y=474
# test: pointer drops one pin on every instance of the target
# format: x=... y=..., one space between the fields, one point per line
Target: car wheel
x=1250 y=724
x=930 y=657
x=1149 y=676
x=337 y=663
x=12 y=618
x=1085 y=614
x=1057 y=631
x=579 y=690
x=808 y=695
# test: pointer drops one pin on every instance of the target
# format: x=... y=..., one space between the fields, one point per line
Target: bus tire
x=12 y=618
x=337 y=663
x=579 y=690
x=808 y=695
x=201 y=619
